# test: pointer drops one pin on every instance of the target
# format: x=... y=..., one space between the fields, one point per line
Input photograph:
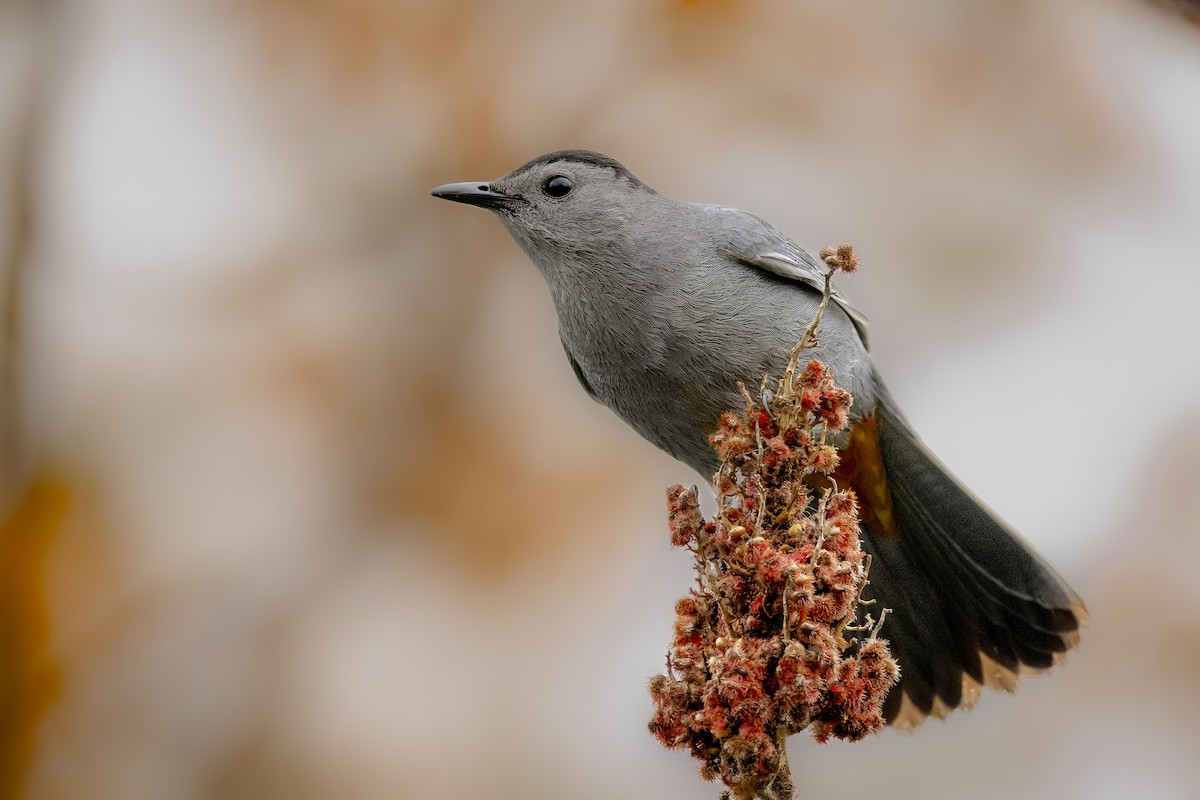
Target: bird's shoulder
x=752 y=241
x=745 y=236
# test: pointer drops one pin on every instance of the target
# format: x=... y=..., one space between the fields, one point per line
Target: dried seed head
x=758 y=652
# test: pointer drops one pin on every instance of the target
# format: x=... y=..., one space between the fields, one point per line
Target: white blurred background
x=302 y=500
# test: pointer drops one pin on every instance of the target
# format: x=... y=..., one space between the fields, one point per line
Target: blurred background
x=300 y=496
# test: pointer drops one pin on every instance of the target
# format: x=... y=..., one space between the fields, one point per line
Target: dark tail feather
x=973 y=605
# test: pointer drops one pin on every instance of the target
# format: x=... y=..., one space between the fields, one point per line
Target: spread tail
x=972 y=604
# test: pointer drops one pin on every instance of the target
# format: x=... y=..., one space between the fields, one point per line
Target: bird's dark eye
x=558 y=186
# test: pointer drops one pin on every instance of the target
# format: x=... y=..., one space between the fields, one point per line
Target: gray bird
x=663 y=307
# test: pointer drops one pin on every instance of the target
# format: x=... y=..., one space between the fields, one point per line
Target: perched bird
x=663 y=307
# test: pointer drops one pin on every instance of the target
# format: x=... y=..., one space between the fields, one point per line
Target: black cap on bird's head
x=585 y=158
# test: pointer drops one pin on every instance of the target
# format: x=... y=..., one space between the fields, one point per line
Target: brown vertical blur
x=31 y=508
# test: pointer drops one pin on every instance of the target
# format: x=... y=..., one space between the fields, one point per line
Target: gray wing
x=756 y=243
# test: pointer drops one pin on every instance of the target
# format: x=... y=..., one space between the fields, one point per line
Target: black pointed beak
x=476 y=194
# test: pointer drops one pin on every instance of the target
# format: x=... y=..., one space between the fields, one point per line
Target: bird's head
x=570 y=203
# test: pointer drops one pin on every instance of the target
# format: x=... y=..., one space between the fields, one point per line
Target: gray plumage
x=664 y=306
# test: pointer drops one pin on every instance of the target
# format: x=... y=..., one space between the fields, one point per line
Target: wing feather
x=754 y=242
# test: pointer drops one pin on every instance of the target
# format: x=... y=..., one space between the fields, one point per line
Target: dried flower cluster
x=760 y=650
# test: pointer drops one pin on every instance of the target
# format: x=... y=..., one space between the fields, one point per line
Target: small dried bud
x=824 y=459
x=764 y=424
x=842 y=258
x=776 y=452
x=683 y=515
x=732 y=437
